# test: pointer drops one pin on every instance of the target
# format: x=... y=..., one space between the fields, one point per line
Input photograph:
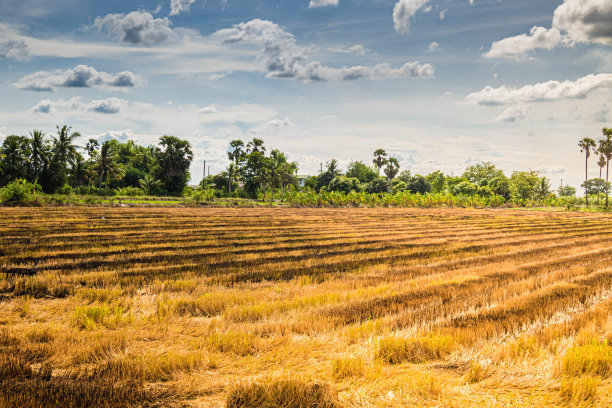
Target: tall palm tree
x=601 y=163
x=392 y=168
x=256 y=145
x=106 y=164
x=379 y=159
x=63 y=146
x=81 y=171
x=586 y=145
x=39 y=153
x=149 y=183
x=605 y=148
x=15 y=156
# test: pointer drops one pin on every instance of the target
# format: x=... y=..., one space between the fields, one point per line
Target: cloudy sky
x=440 y=84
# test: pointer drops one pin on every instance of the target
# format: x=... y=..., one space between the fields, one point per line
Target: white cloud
x=403 y=12
x=246 y=113
x=471 y=2
x=518 y=46
x=443 y=14
x=137 y=27
x=81 y=76
x=119 y=135
x=281 y=57
x=434 y=46
x=11 y=45
x=180 y=6
x=322 y=3
x=106 y=106
x=514 y=113
x=356 y=49
x=574 y=21
x=545 y=91
x=585 y=20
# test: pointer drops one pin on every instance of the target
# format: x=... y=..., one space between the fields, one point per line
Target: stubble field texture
x=286 y=307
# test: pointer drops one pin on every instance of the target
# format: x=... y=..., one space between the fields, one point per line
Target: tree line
x=56 y=164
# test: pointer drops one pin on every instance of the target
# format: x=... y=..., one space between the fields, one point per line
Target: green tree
x=344 y=184
x=361 y=172
x=586 y=145
x=39 y=154
x=500 y=186
x=481 y=173
x=328 y=175
x=567 y=191
x=106 y=164
x=63 y=150
x=377 y=186
x=392 y=168
x=91 y=146
x=149 y=184
x=523 y=184
x=437 y=180
x=542 y=188
x=15 y=155
x=380 y=159
x=465 y=188
x=418 y=184
x=81 y=172
x=174 y=160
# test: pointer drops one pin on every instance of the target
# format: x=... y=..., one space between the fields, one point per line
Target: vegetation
x=381 y=307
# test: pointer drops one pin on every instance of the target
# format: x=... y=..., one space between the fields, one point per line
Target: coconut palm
x=91 y=147
x=15 y=153
x=63 y=147
x=379 y=159
x=605 y=148
x=106 y=164
x=586 y=145
x=39 y=153
x=81 y=172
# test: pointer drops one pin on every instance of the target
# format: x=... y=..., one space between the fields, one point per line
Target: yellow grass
x=178 y=307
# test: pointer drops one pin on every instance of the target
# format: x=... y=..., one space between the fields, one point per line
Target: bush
x=66 y=190
x=130 y=192
x=18 y=191
x=378 y=186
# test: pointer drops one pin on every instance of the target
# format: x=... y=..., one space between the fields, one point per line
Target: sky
x=439 y=84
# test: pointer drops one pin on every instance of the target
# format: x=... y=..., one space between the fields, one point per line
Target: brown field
x=125 y=307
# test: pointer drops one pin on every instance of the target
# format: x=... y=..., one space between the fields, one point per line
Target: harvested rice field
x=176 y=307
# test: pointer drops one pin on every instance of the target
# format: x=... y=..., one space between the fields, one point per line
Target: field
x=173 y=307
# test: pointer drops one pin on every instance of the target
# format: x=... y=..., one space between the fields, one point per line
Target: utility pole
x=209 y=170
x=204 y=173
x=321 y=171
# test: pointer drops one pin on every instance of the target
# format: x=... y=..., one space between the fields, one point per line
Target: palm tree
x=15 y=154
x=39 y=153
x=601 y=163
x=586 y=145
x=392 y=168
x=63 y=147
x=91 y=147
x=149 y=183
x=379 y=159
x=256 y=145
x=106 y=164
x=605 y=148
x=81 y=171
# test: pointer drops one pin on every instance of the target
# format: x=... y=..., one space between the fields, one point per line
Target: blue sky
x=439 y=84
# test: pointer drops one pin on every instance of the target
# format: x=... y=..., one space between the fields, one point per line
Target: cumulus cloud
x=180 y=6
x=514 y=113
x=356 y=49
x=585 y=20
x=118 y=135
x=137 y=27
x=544 y=91
x=574 y=21
x=434 y=46
x=281 y=57
x=106 y=106
x=518 y=46
x=81 y=76
x=403 y=12
x=322 y=3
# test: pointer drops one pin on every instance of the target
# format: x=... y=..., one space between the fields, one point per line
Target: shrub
x=131 y=192
x=18 y=191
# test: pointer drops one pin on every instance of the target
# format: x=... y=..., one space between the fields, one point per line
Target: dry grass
x=355 y=307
